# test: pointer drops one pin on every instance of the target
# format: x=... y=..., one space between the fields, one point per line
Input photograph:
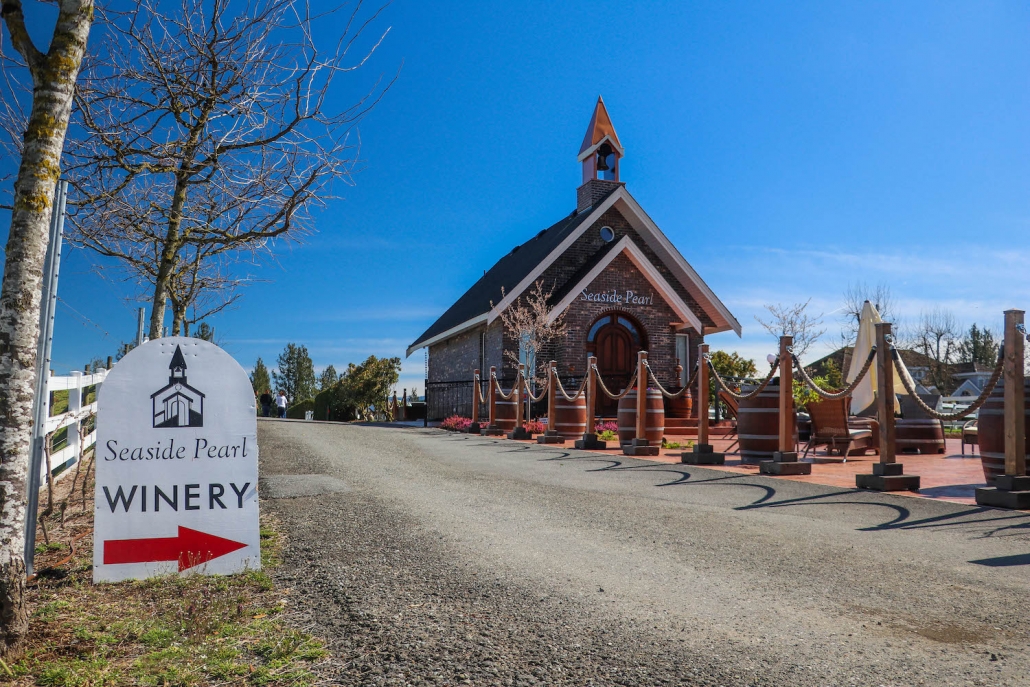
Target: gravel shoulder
x=431 y=558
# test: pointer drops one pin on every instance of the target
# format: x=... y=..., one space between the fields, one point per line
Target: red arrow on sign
x=190 y=548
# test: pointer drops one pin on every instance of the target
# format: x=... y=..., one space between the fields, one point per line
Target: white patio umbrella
x=865 y=393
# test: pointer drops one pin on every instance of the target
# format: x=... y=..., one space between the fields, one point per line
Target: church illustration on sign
x=178 y=404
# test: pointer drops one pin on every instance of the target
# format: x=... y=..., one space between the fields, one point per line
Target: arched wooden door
x=615 y=340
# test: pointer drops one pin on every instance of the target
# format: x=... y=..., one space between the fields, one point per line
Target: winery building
x=624 y=287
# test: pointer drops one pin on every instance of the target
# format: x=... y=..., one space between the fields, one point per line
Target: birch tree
x=52 y=74
x=216 y=125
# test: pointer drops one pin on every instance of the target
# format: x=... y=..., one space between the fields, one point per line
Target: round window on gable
x=607 y=234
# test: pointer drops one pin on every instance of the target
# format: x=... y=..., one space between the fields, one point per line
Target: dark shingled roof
x=507 y=272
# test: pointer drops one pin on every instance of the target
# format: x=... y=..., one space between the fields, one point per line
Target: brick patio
x=948 y=477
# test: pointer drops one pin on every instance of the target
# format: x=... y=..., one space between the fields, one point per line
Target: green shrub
x=297 y=410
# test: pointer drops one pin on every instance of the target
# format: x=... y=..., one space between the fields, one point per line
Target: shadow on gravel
x=1017 y=523
x=1004 y=561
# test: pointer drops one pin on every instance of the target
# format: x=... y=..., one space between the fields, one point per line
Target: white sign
x=618 y=297
x=176 y=464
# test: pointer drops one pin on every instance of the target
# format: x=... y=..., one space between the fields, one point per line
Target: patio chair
x=916 y=430
x=970 y=436
x=831 y=428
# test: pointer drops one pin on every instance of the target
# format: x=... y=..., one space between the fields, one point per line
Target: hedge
x=296 y=411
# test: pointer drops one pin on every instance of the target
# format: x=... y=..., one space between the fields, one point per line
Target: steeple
x=599 y=155
x=601 y=149
x=177 y=368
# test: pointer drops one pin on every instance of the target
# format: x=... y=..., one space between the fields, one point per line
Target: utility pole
x=141 y=326
x=41 y=403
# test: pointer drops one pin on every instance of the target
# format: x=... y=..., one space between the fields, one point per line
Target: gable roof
x=517 y=271
x=640 y=261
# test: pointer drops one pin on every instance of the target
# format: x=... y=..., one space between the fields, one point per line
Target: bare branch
x=210 y=130
x=793 y=320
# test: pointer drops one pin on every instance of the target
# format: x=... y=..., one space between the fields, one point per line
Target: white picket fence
x=77 y=413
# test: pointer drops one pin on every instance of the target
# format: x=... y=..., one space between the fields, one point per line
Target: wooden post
x=785 y=460
x=552 y=372
x=492 y=410
x=641 y=432
x=492 y=430
x=520 y=431
x=888 y=474
x=640 y=446
x=702 y=398
x=1015 y=400
x=551 y=436
x=885 y=392
x=474 y=428
x=786 y=396
x=1012 y=490
x=703 y=452
x=519 y=381
x=590 y=440
x=404 y=405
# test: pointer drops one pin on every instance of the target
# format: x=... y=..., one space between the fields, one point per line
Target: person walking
x=280 y=403
x=266 y=403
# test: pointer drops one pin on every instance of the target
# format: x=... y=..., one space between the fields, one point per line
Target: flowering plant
x=535 y=427
x=456 y=423
x=609 y=426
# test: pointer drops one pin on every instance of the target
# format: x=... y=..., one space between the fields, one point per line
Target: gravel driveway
x=426 y=557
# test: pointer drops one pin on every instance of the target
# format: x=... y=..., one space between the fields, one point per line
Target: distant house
x=967 y=380
x=971 y=379
x=918 y=366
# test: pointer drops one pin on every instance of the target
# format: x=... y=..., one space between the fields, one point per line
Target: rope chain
x=629 y=386
x=561 y=389
x=734 y=394
x=838 y=394
x=980 y=400
x=665 y=392
x=529 y=392
x=476 y=382
x=514 y=388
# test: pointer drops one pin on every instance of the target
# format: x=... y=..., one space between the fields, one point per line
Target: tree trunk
x=53 y=78
x=169 y=255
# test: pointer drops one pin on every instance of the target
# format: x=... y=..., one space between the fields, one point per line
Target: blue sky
x=787 y=149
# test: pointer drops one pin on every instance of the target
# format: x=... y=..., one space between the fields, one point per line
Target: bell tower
x=600 y=155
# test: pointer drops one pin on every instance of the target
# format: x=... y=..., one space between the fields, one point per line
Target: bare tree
x=794 y=320
x=855 y=296
x=212 y=127
x=938 y=337
x=530 y=325
x=52 y=74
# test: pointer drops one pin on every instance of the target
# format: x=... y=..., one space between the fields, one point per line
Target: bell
x=602 y=162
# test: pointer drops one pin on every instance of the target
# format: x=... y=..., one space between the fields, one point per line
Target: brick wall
x=592 y=191
x=659 y=337
x=455 y=359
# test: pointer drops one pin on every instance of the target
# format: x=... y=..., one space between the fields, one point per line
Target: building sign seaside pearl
x=617 y=297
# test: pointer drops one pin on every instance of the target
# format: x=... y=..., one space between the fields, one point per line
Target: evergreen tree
x=328 y=378
x=295 y=373
x=979 y=346
x=205 y=332
x=259 y=378
x=366 y=386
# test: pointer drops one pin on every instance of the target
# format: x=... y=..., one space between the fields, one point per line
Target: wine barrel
x=758 y=425
x=991 y=432
x=570 y=417
x=655 y=425
x=680 y=408
x=922 y=434
x=505 y=414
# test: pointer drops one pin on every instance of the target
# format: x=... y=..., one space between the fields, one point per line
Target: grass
x=173 y=630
